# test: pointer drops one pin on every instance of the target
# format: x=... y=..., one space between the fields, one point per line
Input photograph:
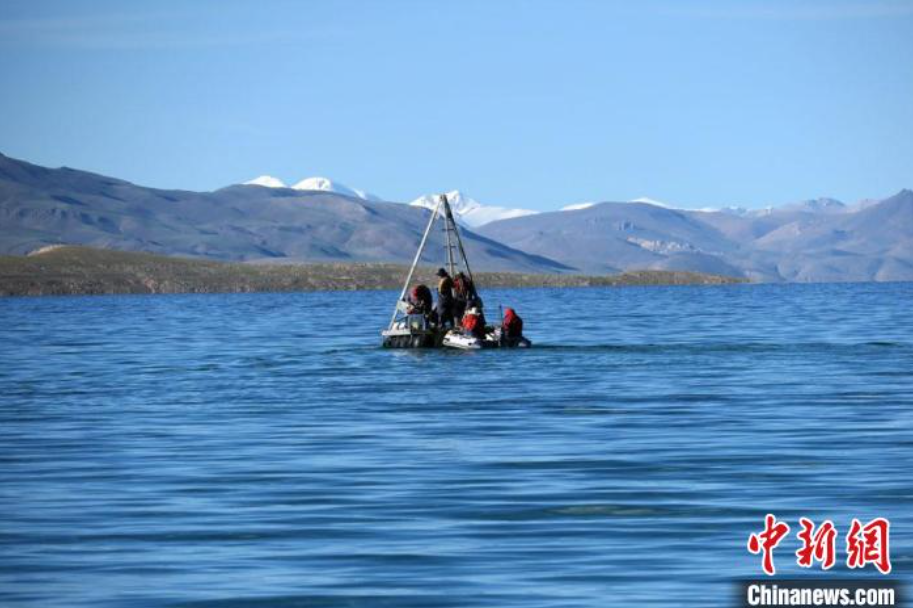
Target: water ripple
x=262 y=449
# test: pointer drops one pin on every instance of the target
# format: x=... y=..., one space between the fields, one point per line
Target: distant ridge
x=821 y=240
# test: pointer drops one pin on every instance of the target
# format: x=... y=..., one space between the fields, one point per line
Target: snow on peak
x=459 y=202
x=267 y=181
x=470 y=211
x=650 y=201
x=577 y=207
x=325 y=184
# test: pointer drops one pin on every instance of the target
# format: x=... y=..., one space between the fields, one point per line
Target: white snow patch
x=470 y=211
x=577 y=206
x=650 y=201
x=267 y=181
x=325 y=184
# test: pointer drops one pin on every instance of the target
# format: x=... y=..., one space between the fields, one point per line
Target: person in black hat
x=445 y=298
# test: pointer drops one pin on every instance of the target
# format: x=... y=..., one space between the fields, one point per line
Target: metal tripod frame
x=452 y=232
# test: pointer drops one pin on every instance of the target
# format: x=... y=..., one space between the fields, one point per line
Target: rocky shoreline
x=72 y=270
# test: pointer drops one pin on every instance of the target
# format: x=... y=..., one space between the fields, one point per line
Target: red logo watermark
x=865 y=543
x=817 y=545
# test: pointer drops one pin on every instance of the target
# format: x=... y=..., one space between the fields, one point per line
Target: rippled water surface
x=248 y=450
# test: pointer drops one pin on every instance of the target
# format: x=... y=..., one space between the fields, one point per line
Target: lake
x=262 y=449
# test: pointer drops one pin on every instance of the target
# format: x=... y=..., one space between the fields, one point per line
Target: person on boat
x=464 y=294
x=445 y=301
x=420 y=302
x=512 y=326
x=473 y=323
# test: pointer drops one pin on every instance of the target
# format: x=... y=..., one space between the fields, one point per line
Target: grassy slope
x=83 y=270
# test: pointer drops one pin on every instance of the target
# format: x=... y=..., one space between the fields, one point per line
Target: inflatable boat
x=404 y=336
x=493 y=339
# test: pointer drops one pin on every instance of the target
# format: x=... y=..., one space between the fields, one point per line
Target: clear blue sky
x=533 y=104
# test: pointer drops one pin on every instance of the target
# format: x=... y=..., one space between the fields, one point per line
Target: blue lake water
x=262 y=450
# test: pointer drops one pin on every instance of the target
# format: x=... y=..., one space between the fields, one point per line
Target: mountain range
x=814 y=241
x=319 y=219
x=467 y=211
x=41 y=206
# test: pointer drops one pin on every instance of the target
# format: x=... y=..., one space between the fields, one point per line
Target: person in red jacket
x=419 y=300
x=474 y=323
x=512 y=327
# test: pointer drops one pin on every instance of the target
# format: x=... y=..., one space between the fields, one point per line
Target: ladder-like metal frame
x=441 y=209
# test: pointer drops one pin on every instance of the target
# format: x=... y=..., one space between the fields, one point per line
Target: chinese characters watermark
x=865 y=543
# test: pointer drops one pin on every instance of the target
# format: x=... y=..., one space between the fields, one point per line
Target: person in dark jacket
x=512 y=327
x=464 y=294
x=445 y=299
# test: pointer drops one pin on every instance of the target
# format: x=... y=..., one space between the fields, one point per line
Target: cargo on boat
x=457 y=320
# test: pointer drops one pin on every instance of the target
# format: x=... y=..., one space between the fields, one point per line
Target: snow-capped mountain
x=328 y=185
x=324 y=184
x=650 y=201
x=469 y=211
x=267 y=181
x=577 y=206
